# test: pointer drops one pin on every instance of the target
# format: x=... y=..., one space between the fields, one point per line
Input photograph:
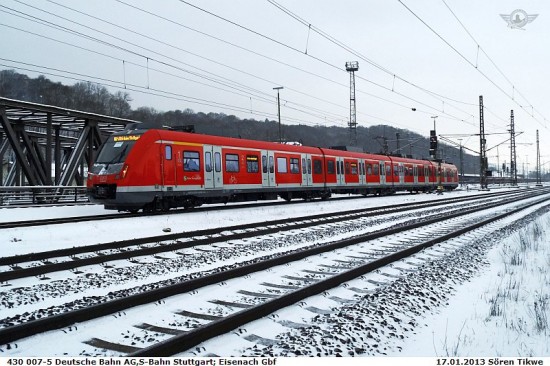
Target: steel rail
x=185 y=341
x=58 y=321
x=239 y=232
x=74 y=219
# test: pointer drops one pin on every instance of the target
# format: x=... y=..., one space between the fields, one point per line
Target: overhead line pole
x=279 y=112
x=539 y=183
x=513 y=167
x=482 y=147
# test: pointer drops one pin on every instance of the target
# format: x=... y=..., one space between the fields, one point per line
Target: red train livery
x=161 y=169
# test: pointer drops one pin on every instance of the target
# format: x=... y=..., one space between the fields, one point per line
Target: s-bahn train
x=158 y=169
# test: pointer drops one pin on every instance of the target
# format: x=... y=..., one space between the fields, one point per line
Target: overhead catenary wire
x=230 y=83
x=289 y=102
x=480 y=48
x=313 y=57
x=324 y=117
x=394 y=76
x=370 y=94
x=286 y=64
x=511 y=97
x=205 y=74
x=363 y=57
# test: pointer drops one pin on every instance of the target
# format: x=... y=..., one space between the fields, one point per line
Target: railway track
x=74 y=219
x=201 y=326
x=123 y=215
x=41 y=263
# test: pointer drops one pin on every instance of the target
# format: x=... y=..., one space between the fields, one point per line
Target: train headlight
x=124 y=171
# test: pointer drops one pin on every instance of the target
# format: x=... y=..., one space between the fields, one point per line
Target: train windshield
x=116 y=149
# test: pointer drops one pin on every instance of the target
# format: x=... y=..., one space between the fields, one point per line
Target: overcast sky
x=228 y=55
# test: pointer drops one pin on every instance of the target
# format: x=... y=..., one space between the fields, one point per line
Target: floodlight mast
x=351 y=67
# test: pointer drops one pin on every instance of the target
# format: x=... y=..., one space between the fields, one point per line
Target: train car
x=449 y=176
x=443 y=176
x=160 y=169
x=413 y=175
x=355 y=173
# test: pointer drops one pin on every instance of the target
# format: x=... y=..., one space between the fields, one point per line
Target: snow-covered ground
x=50 y=237
x=503 y=309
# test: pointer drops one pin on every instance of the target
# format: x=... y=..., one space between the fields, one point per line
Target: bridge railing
x=36 y=195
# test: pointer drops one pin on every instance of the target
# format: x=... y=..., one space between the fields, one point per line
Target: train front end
x=108 y=176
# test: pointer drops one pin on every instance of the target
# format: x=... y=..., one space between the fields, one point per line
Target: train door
x=427 y=174
x=212 y=167
x=340 y=173
x=382 y=173
x=401 y=173
x=268 y=169
x=307 y=177
x=361 y=171
x=169 y=171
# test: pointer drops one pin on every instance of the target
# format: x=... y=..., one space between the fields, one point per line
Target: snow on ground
x=412 y=317
x=50 y=237
x=504 y=310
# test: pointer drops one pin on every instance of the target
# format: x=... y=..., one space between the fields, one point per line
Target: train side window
x=264 y=163
x=208 y=161
x=304 y=168
x=354 y=168
x=368 y=170
x=330 y=167
x=337 y=167
x=168 y=152
x=342 y=167
x=382 y=169
x=252 y=165
x=271 y=165
x=232 y=163
x=308 y=166
x=317 y=167
x=388 y=170
x=191 y=161
x=218 y=162
x=281 y=165
x=375 y=169
x=348 y=168
x=294 y=165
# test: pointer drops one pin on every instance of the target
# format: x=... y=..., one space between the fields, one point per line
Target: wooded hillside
x=95 y=98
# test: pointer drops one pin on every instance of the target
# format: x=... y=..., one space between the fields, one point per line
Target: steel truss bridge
x=42 y=145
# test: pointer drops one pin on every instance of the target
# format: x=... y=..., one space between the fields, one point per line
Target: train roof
x=231 y=141
x=174 y=135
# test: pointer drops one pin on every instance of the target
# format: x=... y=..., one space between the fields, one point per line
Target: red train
x=161 y=169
